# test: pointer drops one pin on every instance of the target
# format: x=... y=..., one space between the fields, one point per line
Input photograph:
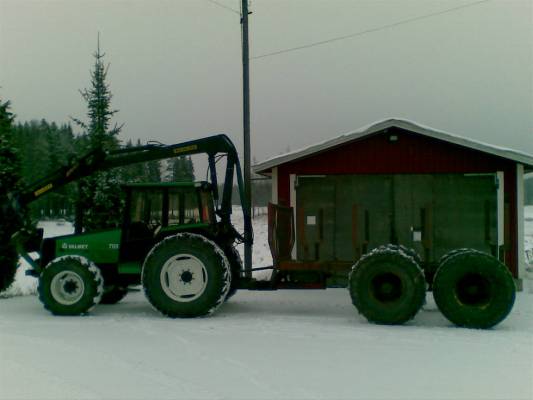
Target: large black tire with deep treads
x=431 y=269
x=473 y=289
x=387 y=286
x=70 y=285
x=407 y=250
x=186 y=275
x=113 y=294
x=452 y=253
x=235 y=262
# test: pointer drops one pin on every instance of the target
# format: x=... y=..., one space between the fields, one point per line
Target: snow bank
x=261 y=252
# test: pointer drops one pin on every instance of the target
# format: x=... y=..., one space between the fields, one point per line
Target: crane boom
x=100 y=160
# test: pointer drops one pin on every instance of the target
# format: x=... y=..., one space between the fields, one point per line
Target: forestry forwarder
x=176 y=239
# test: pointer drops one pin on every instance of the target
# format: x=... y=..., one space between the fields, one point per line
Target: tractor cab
x=155 y=210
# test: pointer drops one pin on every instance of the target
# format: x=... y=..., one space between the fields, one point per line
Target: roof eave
x=368 y=130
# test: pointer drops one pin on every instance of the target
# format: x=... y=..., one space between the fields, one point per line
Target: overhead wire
x=371 y=30
x=224 y=6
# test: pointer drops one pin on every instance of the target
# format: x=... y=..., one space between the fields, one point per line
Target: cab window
x=147 y=208
x=188 y=207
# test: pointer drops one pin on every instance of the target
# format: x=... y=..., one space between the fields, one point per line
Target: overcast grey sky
x=176 y=74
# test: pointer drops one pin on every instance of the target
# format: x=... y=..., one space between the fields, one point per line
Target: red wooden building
x=396 y=181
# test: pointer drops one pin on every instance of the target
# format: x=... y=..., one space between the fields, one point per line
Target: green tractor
x=176 y=239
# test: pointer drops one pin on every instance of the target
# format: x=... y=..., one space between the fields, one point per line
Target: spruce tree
x=181 y=169
x=153 y=171
x=99 y=202
x=11 y=220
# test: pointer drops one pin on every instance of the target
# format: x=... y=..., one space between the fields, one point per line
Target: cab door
x=144 y=211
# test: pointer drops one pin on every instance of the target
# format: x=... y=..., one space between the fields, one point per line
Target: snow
x=260 y=345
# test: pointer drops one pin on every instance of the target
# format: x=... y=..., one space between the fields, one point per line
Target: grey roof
x=375 y=127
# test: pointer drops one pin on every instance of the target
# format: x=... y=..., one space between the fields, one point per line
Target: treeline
x=261 y=193
x=44 y=146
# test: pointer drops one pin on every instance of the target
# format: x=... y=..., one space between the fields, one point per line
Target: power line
x=224 y=6
x=361 y=33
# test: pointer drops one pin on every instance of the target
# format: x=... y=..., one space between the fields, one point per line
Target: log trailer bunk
x=177 y=240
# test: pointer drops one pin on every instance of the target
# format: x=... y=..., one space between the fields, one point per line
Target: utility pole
x=246 y=133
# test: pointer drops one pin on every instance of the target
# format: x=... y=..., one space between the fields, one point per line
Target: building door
x=414 y=212
x=465 y=213
x=315 y=218
x=437 y=213
x=364 y=214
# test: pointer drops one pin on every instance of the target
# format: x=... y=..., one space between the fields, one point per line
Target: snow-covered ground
x=277 y=345
x=260 y=345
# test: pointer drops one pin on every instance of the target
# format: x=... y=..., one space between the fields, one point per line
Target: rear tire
x=235 y=262
x=387 y=286
x=113 y=294
x=70 y=285
x=473 y=289
x=453 y=253
x=407 y=250
x=186 y=275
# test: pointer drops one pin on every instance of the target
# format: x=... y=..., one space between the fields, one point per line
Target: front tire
x=70 y=285
x=387 y=286
x=186 y=275
x=473 y=289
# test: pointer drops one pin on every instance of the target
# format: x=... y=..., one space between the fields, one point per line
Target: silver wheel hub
x=184 y=278
x=67 y=287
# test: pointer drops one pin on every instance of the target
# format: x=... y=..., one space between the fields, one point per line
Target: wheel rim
x=184 y=278
x=473 y=290
x=387 y=287
x=67 y=287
